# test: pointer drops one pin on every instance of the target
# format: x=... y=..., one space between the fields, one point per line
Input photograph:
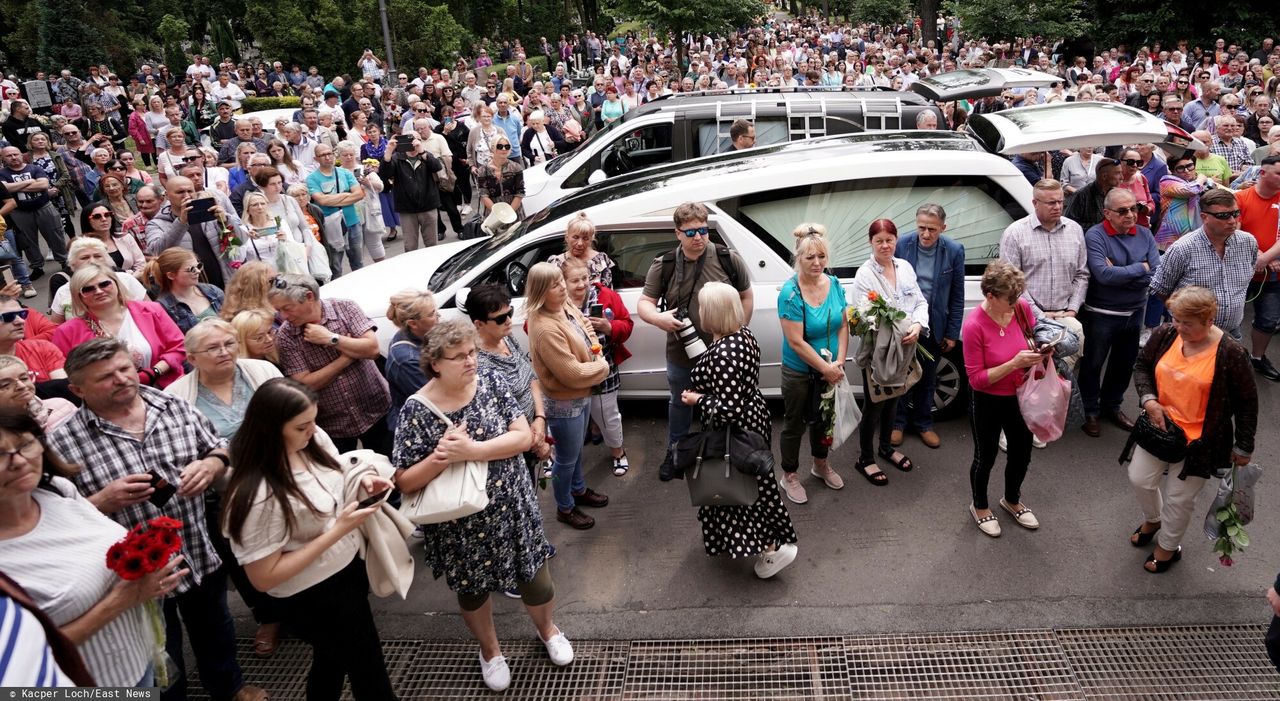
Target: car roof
x=707 y=100
x=784 y=154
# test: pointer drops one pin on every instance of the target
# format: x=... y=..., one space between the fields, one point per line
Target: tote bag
x=456 y=492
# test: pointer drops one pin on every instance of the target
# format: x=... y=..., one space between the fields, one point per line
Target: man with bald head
x=170 y=227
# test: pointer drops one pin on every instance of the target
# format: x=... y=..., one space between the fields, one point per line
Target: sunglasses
x=1126 y=211
x=502 y=318
x=280 y=283
x=502 y=147
x=90 y=289
x=1131 y=162
x=693 y=233
x=100 y=215
x=8 y=317
x=116 y=168
x=1224 y=216
x=194 y=268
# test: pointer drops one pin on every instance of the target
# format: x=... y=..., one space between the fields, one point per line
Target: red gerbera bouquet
x=145 y=549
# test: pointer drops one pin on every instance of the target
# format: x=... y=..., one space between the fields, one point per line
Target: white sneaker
x=771 y=563
x=1035 y=443
x=558 y=648
x=497 y=675
x=28 y=292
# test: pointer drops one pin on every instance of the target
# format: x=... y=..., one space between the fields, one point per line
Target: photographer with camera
x=675 y=278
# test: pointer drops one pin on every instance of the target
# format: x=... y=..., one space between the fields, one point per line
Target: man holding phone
x=411 y=169
x=1122 y=258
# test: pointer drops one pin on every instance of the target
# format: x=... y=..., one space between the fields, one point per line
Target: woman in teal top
x=811 y=309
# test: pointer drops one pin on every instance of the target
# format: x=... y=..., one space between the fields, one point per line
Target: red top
x=41 y=357
x=985 y=348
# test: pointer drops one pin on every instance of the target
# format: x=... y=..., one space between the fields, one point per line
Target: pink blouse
x=985 y=348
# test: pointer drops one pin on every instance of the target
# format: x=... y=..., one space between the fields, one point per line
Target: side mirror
x=597 y=176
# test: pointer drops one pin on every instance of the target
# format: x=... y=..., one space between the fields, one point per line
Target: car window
x=512 y=271
x=710 y=141
x=636 y=149
x=633 y=252
x=978 y=210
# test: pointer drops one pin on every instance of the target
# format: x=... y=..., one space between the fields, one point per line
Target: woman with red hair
x=884 y=367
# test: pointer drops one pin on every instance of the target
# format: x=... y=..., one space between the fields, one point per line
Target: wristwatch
x=333 y=340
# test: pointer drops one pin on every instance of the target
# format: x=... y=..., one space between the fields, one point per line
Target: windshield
x=451 y=270
x=559 y=161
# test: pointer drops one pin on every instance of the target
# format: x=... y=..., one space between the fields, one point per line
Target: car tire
x=951 y=396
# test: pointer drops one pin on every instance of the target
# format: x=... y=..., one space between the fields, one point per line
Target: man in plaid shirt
x=123 y=436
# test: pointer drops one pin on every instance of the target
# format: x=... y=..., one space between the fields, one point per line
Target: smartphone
x=164 y=491
x=199 y=212
x=373 y=499
x=6 y=274
x=596 y=310
x=1046 y=347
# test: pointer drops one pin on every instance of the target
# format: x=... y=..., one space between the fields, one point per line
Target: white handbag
x=456 y=492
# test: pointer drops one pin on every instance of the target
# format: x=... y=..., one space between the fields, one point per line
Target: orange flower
x=871 y=295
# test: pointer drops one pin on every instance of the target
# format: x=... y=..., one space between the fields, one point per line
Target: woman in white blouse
x=894 y=280
x=54 y=543
x=298 y=542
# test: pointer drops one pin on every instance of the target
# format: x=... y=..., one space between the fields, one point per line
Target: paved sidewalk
x=1195 y=663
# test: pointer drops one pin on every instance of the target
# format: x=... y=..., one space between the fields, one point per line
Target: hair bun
x=806 y=230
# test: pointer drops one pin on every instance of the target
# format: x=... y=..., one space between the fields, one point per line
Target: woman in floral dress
x=726 y=387
x=503 y=546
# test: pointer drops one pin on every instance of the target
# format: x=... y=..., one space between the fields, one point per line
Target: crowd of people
x=188 y=367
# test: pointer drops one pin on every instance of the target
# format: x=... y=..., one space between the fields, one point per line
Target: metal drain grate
x=450 y=670
x=1018 y=665
x=728 y=670
x=284 y=674
x=1196 y=663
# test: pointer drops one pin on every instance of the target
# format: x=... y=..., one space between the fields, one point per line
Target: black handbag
x=1169 y=445
x=714 y=476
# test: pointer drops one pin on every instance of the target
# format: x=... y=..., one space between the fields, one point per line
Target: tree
x=885 y=13
x=1002 y=20
x=1200 y=23
x=435 y=37
x=67 y=36
x=172 y=31
x=696 y=17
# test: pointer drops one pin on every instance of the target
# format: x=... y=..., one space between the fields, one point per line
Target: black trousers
x=877 y=418
x=449 y=205
x=261 y=605
x=377 y=438
x=989 y=414
x=203 y=611
x=1273 y=642
x=335 y=619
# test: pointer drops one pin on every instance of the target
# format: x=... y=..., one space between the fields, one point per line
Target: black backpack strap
x=668 y=272
x=726 y=263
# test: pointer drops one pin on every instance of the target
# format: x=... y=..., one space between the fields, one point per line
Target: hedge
x=253 y=104
x=539 y=64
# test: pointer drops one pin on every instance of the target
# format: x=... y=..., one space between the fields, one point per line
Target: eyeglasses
x=502 y=147
x=116 y=168
x=227 y=347
x=1224 y=216
x=100 y=215
x=1184 y=168
x=695 y=232
x=29 y=450
x=90 y=289
x=8 y=317
x=1125 y=211
x=461 y=357
x=421 y=111
x=502 y=318
x=193 y=268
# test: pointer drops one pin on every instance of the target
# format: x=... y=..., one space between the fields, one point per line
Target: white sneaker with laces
x=28 y=292
x=558 y=648
x=771 y=563
x=497 y=675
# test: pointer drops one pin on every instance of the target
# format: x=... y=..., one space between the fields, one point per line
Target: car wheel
x=951 y=395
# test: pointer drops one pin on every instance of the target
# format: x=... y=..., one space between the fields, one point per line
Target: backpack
x=669 y=269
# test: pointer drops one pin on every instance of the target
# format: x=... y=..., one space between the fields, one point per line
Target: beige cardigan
x=564 y=364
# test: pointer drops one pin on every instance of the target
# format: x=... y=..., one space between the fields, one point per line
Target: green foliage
x=253 y=104
x=692 y=16
x=881 y=12
x=435 y=39
x=539 y=64
x=1244 y=23
x=67 y=35
x=1002 y=20
x=172 y=30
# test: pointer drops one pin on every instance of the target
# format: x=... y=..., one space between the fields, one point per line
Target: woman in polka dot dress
x=726 y=387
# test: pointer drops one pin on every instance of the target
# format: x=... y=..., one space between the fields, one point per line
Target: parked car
x=679 y=127
x=756 y=198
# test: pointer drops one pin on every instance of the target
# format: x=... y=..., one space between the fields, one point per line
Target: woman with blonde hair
x=175 y=275
x=811 y=308
x=413 y=312
x=255 y=331
x=248 y=290
x=569 y=363
x=502 y=180
x=85 y=250
x=726 y=388
x=262 y=236
x=580 y=243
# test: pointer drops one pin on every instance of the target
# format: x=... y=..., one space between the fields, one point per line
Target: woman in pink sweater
x=996 y=358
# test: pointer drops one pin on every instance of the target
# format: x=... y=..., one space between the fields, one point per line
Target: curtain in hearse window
x=978 y=211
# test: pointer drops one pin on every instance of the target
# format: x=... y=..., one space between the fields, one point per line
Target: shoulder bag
x=456 y=492
x=1169 y=445
x=721 y=466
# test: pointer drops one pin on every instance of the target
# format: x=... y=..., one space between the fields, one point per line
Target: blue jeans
x=915 y=408
x=212 y=634
x=1266 y=305
x=355 y=242
x=1113 y=341
x=566 y=477
x=9 y=255
x=679 y=416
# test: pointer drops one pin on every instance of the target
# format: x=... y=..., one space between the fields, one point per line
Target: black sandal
x=904 y=464
x=1163 y=566
x=879 y=479
x=1144 y=539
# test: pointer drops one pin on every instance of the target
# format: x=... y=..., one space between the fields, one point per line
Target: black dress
x=728 y=375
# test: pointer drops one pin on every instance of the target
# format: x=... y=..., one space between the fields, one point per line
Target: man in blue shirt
x=939 y=265
x=335 y=190
x=1122 y=258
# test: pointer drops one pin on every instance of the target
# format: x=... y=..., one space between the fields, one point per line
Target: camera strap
x=697 y=272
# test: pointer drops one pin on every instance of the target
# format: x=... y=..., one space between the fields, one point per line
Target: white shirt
x=228 y=93
x=133 y=291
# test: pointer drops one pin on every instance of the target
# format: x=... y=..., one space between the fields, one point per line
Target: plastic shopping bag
x=291 y=257
x=1239 y=491
x=846 y=413
x=1044 y=398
